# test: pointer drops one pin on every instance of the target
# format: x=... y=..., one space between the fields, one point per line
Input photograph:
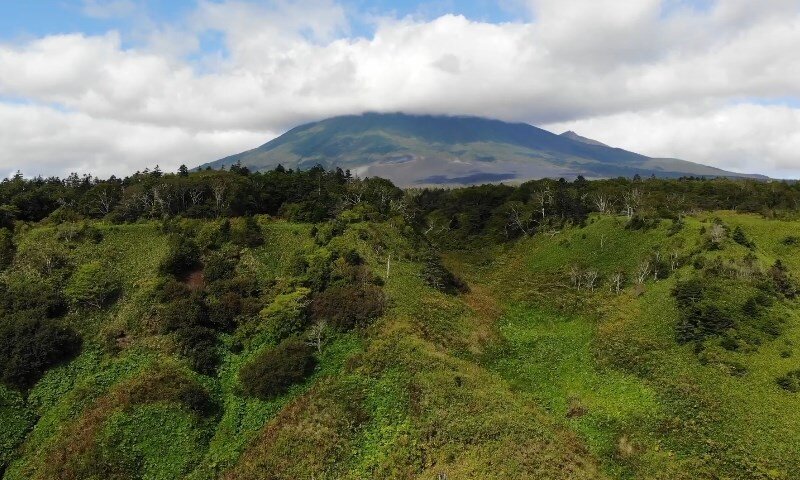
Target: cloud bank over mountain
x=712 y=82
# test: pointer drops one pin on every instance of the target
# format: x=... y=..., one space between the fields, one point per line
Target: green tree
x=250 y=234
x=183 y=256
x=287 y=315
x=29 y=345
x=275 y=370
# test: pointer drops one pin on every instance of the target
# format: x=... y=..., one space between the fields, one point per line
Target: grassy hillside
x=594 y=346
x=403 y=397
x=609 y=364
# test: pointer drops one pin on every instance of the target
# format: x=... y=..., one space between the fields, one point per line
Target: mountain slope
x=574 y=136
x=424 y=149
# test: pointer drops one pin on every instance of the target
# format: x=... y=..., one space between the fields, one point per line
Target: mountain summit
x=574 y=136
x=436 y=150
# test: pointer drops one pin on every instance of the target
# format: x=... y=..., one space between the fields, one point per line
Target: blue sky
x=25 y=19
x=35 y=18
x=112 y=86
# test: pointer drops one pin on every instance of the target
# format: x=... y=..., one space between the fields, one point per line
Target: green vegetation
x=610 y=329
x=93 y=285
x=276 y=369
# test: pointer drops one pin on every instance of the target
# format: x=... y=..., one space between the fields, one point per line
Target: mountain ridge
x=574 y=136
x=416 y=150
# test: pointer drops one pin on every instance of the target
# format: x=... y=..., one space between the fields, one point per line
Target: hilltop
x=414 y=150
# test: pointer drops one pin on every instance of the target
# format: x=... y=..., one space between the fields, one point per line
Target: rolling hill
x=436 y=150
x=297 y=325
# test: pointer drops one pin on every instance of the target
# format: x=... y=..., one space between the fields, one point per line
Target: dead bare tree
x=590 y=279
x=602 y=202
x=355 y=193
x=673 y=260
x=218 y=190
x=195 y=195
x=656 y=263
x=104 y=202
x=575 y=275
x=147 y=201
x=316 y=335
x=162 y=196
x=717 y=234
x=616 y=280
x=518 y=219
x=431 y=226
x=632 y=202
x=642 y=272
x=543 y=198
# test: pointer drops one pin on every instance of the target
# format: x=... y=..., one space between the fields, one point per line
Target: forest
x=313 y=324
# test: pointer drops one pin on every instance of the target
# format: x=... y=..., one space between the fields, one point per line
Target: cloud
x=604 y=68
x=47 y=141
x=741 y=137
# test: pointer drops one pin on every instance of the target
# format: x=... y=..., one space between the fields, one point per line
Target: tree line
x=316 y=194
x=310 y=195
x=542 y=206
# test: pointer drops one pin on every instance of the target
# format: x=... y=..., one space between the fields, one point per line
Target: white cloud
x=603 y=67
x=743 y=137
x=41 y=140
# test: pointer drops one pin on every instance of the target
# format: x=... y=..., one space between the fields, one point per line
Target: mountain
x=434 y=150
x=574 y=136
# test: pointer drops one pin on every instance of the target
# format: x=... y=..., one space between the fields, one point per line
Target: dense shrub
x=46 y=256
x=244 y=285
x=348 y=306
x=287 y=315
x=182 y=258
x=30 y=291
x=224 y=232
x=638 y=222
x=199 y=345
x=755 y=305
x=790 y=382
x=352 y=257
x=183 y=312
x=791 y=240
x=325 y=232
x=222 y=311
x=275 y=370
x=30 y=345
x=7 y=248
x=249 y=235
x=659 y=266
x=700 y=315
x=219 y=266
x=739 y=237
x=782 y=281
x=318 y=269
x=193 y=322
x=93 y=285
x=344 y=272
x=172 y=289
x=677 y=225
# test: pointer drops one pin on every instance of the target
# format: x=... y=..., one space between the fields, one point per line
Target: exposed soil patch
x=196 y=280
